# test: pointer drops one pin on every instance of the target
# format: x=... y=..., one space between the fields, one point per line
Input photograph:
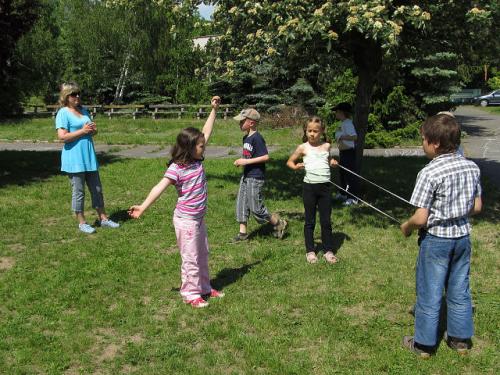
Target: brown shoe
x=409 y=343
x=279 y=229
x=462 y=347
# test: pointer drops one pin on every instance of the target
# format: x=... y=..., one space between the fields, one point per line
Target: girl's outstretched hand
x=299 y=166
x=215 y=102
x=135 y=212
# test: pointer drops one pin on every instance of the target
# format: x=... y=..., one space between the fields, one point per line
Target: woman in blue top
x=78 y=159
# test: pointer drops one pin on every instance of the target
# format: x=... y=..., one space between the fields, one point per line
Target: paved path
x=482 y=145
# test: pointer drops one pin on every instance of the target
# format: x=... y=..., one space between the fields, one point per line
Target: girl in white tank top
x=316 y=160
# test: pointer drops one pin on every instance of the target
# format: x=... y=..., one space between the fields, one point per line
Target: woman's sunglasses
x=75 y=93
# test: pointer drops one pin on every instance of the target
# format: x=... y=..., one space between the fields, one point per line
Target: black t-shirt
x=253 y=147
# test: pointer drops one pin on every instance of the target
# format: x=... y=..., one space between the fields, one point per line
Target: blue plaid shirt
x=447 y=186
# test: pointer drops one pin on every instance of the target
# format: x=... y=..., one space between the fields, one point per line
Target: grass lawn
x=145 y=131
x=492 y=109
x=108 y=303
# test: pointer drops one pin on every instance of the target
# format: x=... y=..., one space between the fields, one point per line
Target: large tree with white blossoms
x=367 y=33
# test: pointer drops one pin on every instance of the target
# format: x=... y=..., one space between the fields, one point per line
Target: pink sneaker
x=216 y=294
x=197 y=303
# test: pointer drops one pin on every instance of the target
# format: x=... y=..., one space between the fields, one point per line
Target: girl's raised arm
x=136 y=211
x=292 y=160
x=209 y=124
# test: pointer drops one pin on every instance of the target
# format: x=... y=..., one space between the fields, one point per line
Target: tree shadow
x=472 y=125
x=26 y=167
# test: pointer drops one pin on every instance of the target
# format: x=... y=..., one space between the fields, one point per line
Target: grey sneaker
x=85 y=228
x=279 y=229
x=409 y=343
x=109 y=224
x=240 y=237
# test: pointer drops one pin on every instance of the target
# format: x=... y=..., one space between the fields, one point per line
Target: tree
x=16 y=18
x=366 y=33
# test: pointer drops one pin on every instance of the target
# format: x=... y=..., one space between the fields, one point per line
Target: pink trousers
x=192 y=240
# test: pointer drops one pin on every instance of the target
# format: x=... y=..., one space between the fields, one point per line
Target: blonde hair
x=315 y=120
x=66 y=89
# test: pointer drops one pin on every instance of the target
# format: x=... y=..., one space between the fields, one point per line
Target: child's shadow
x=120 y=216
x=228 y=276
x=338 y=241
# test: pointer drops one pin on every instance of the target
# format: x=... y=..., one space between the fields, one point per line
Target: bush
x=382 y=139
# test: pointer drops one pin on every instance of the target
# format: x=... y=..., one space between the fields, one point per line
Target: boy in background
x=446 y=193
x=255 y=157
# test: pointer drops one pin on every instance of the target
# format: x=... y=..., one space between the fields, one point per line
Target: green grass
x=144 y=131
x=108 y=303
x=492 y=109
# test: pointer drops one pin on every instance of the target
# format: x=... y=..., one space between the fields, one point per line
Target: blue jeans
x=443 y=263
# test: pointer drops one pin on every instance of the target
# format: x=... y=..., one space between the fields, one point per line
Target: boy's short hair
x=443 y=129
x=249 y=113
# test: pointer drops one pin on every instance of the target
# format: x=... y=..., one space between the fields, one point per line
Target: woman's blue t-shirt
x=77 y=156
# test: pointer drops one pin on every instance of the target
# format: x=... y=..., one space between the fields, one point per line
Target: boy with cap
x=447 y=191
x=250 y=198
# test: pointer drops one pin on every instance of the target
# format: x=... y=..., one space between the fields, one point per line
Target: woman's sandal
x=330 y=257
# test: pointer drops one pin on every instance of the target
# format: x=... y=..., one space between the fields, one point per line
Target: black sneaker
x=409 y=343
x=240 y=237
x=461 y=346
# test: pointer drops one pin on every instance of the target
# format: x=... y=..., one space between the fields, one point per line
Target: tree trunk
x=368 y=60
x=120 y=87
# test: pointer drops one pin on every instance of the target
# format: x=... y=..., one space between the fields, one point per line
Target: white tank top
x=316 y=165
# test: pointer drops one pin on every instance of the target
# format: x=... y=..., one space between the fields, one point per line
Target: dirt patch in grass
x=16 y=247
x=361 y=312
x=109 y=353
x=6 y=263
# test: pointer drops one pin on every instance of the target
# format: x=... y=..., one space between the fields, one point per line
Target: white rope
x=368 y=204
x=373 y=183
x=361 y=200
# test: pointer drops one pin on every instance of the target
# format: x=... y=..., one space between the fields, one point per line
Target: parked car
x=493 y=98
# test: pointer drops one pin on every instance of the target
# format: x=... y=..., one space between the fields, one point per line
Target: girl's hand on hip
x=299 y=166
x=334 y=163
x=135 y=212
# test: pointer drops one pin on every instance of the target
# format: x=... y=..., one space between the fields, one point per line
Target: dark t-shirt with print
x=254 y=146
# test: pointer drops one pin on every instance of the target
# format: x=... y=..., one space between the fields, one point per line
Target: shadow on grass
x=26 y=167
x=228 y=276
x=120 y=216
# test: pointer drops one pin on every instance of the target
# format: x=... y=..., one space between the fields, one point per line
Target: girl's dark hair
x=443 y=129
x=317 y=120
x=185 y=146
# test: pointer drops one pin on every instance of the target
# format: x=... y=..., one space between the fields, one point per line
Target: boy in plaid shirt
x=446 y=192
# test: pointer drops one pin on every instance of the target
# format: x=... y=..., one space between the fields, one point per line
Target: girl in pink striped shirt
x=186 y=173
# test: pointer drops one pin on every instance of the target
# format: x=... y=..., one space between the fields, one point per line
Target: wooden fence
x=154 y=111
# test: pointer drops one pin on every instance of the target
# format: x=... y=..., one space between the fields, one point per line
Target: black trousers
x=318 y=197
x=348 y=160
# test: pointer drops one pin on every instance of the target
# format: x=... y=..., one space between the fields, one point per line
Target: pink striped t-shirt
x=191 y=184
